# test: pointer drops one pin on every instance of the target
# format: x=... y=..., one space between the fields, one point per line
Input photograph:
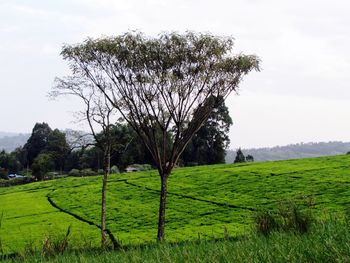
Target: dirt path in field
x=111 y=236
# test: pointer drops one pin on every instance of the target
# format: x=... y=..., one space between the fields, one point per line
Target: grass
x=209 y=202
x=328 y=241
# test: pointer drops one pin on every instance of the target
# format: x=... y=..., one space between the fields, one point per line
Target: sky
x=301 y=93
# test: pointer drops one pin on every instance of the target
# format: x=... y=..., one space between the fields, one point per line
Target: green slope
x=203 y=201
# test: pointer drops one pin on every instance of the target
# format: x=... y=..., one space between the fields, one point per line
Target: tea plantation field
x=204 y=201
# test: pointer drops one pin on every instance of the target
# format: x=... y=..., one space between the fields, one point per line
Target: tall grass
x=327 y=241
x=1 y=248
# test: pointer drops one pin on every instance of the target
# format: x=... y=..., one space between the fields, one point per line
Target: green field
x=204 y=201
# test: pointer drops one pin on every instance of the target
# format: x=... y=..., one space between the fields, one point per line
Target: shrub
x=87 y=172
x=265 y=222
x=115 y=169
x=3 y=174
x=293 y=218
x=289 y=217
x=74 y=172
x=58 y=245
x=42 y=164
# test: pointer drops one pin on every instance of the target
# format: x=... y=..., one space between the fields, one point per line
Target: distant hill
x=293 y=151
x=4 y=134
x=10 y=141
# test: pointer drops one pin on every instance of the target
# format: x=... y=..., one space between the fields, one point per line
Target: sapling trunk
x=162 y=204
x=103 y=205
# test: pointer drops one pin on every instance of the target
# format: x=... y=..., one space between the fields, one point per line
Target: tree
x=240 y=158
x=249 y=158
x=37 y=142
x=209 y=144
x=42 y=164
x=58 y=147
x=164 y=87
x=9 y=162
x=98 y=114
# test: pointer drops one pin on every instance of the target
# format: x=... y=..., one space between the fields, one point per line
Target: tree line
x=76 y=152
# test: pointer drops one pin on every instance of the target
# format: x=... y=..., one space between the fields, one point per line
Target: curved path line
x=191 y=197
x=111 y=236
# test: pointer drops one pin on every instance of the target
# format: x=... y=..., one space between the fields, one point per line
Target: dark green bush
x=87 y=172
x=265 y=222
x=74 y=172
x=289 y=217
x=115 y=169
x=293 y=218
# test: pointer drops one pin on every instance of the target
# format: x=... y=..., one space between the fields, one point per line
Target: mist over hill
x=10 y=141
x=293 y=151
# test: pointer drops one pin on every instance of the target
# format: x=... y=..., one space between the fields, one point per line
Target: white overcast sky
x=302 y=93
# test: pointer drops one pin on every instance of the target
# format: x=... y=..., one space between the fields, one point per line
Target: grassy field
x=207 y=202
x=327 y=241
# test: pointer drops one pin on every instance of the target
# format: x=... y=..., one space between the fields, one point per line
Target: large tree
x=209 y=144
x=37 y=142
x=58 y=147
x=164 y=87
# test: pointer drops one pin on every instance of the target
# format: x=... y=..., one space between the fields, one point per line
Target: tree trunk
x=162 y=203
x=103 y=205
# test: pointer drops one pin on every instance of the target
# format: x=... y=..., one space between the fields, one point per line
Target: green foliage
x=289 y=217
x=58 y=147
x=8 y=164
x=74 y=172
x=265 y=222
x=328 y=241
x=42 y=164
x=240 y=158
x=114 y=170
x=208 y=145
x=37 y=142
x=203 y=200
x=55 y=245
x=3 y=173
x=293 y=218
x=249 y=158
x=87 y=172
x=142 y=167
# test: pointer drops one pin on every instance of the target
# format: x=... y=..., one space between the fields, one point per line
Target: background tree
x=240 y=158
x=37 y=142
x=164 y=87
x=58 y=147
x=209 y=144
x=249 y=158
x=42 y=164
x=9 y=163
x=98 y=114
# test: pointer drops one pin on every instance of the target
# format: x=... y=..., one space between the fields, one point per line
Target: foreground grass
x=205 y=201
x=328 y=241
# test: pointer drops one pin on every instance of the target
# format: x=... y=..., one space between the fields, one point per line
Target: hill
x=205 y=201
x=10 y=141
x=293 y=151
